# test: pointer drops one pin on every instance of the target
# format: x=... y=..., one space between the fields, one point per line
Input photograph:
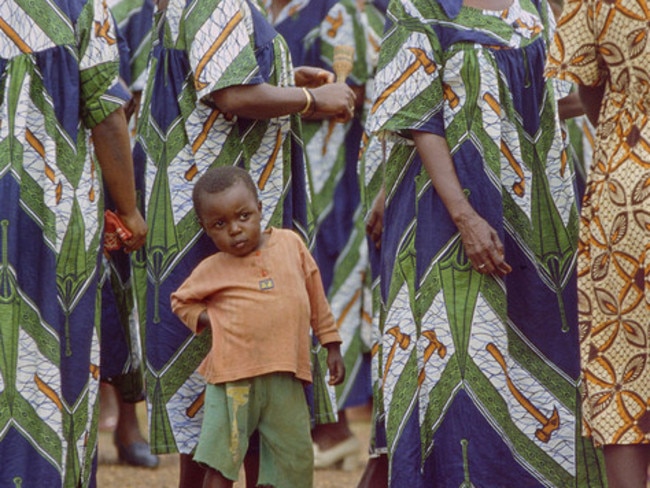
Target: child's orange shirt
x=261 y=307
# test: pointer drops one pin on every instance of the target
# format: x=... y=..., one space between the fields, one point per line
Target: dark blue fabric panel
x=159 y=314
x=295 y=29
x=60 y=73
x=395 y=225
x=535 y=310
x=14 y=450
x=71 y=8
x=125 y=55
x=171 y=72
x=519 y=67
x=488 y=458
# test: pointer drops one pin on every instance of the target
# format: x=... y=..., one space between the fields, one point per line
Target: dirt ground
x=111 y=474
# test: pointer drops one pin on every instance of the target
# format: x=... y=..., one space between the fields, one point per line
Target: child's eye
x=219 y=224
x=244 y=216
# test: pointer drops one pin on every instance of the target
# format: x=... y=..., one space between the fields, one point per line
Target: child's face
x=232 y=219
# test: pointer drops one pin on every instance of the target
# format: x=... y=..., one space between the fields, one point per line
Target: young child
x=259 y=295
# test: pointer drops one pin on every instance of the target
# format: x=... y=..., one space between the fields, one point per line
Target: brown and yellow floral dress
x=606 y=42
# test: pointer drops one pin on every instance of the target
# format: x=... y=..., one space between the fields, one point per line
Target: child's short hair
x=218 y=179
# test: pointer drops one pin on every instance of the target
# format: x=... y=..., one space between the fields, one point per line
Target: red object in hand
x=115 y=232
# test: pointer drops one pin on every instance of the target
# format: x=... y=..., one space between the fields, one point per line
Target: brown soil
x=111 y=474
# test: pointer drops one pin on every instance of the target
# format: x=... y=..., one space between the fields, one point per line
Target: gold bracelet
x=310 y=101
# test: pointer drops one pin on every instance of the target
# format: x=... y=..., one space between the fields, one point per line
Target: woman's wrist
x=310 y=104
x=462 y=213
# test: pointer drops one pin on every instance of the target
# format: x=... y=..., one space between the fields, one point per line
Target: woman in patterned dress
x=122 y=364
x=372 y=154
x=58 y=85
x=220 y=91
x=478 y=363
x=313 y=29
x=603 y=47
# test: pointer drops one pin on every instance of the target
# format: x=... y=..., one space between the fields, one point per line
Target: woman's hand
x=311 y=77
x=138 y=228
x=335 y=100
x=133 y=105
x=113 y=150
x=480 y=241
x=314 y=78
x=482 y=245
x=375 y=221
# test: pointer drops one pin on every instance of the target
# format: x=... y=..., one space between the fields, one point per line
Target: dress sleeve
x=408 y=91
x=101 y=91
x=573 y=54
x=221 y=47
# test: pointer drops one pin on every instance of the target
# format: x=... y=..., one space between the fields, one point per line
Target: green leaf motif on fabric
x=461 y=288
x=76 y=264
x=162 y=239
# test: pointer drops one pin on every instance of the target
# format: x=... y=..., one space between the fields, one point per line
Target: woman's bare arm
x=481 y=242
x=592 y=98
x=113 y=151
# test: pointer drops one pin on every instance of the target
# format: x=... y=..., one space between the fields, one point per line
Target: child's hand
x=335 y=363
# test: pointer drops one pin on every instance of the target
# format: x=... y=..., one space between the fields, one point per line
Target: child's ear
x=259 y=205
x=198 y=219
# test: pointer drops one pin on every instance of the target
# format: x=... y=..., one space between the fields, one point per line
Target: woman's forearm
x=570 y=106
x=437 y=161
x=261 y=101
x=264 y=101
x=113 y=150
x=480 y=241
x=591 y=98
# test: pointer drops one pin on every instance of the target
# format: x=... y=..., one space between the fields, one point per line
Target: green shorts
x=275 y=406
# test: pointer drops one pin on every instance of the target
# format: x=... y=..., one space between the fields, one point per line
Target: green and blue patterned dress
x=478 y=374
x=58 y=78
x=122 y=361
x=313 y=29
x=373 y=152
x=134 y=19
x=199 y=47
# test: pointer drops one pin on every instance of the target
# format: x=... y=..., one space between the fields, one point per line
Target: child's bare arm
x=189 y=307
x=335 y=363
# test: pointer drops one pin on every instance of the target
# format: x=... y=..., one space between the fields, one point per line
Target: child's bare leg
x=252 y=468
x=214 y=479
x=627 y=465
x=191 y=472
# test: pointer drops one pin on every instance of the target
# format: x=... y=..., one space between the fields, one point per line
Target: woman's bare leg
x=376 y=473
x=627 y=465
